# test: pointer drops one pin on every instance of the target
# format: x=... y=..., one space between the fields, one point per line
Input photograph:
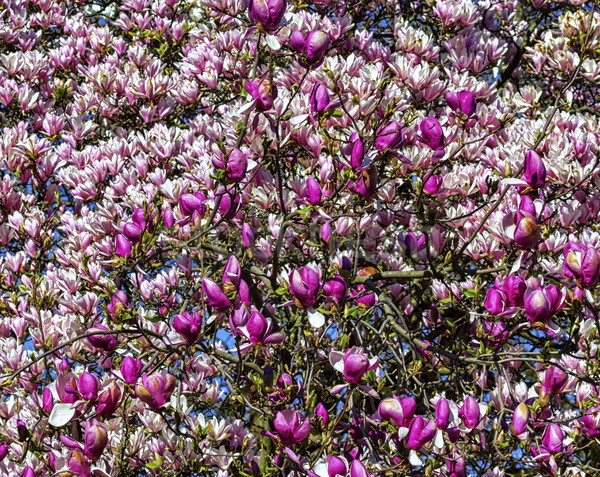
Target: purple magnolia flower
x=321 y=412
x=421 y=431
x=432 y=133
x=520 y=419
x=582 y=263
x=391 y=136
x=28 y=472
x=232 y=273
x=130 y=369
x=297 y=40
x=494 y=301
x=156 y=389
x=552 y=440
x=237 y=165
x=122 y=246
x=291 y=427
x=538 y=307
x=95 y=439
x=216 y=298
x=356 y=151
x=442 y=413
x=353 y=364
x=470 y=413
x=316 y=44
x=188 y=326
x=108 y=401
x=3 y=451
x=106 y=342
x=263 y=93
x=432 y=184
x=527 y=233
x=514 y=288
x=192 y=204
x=554 y=381
x=132 y=232
x=461 y=102
x=88 y=386
x=319 y=98
x=313 y=191
x=266 y=13
x=390 y=409
x=259 y=330
x=305 y=285
x=335 y=289
x=534 y=170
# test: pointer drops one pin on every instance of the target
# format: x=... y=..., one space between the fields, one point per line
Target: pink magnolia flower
x=291 y=427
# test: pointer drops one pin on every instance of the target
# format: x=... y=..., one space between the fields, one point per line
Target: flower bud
x=432 y=133
x=421 y=431
x=313 y=191
x=442 y=413
x=390 y=409
x=390 y=137
x=155 y=389
x=88 y=386
x=188 y=326
x=335 y=289
x=527 y=233
x=520 y=419
x=534 y=169
x=132 y=232
x=319 y=98
x=470 y=413
x=108 y=401
x=305 y=286
x=321 y=412
x=494 y=301
x=316 y=45
x=553 y=437
x=122 y=246
x=216 y=298
x=537 y=307
x=95 y=439
x=297 y=41
x=130 y=369
x=106 y=342
x=232 y=273
x=190 y=204
x=237 y=164
x=432 y=184
x=461 y=102
x=514 y=288
x=266 y=13
x=263 y=93
x=291 y=427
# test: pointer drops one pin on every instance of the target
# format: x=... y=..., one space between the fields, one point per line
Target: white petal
x=61 y=414
x=413 y=458
x=273 y=42
x=316 y=318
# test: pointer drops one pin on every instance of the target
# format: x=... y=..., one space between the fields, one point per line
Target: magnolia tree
x=341 y=238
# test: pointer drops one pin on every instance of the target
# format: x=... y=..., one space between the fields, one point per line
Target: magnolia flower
x=291 y=427
x=353 y=364
x=266 y=13
x=155 y=390
x=461 y=102
x=305 y=285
